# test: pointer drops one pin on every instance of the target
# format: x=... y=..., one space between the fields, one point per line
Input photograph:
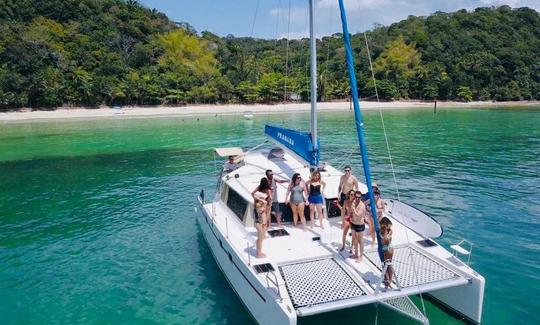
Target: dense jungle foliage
x=117 y=52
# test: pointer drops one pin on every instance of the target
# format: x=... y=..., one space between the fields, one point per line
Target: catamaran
x=304 y=273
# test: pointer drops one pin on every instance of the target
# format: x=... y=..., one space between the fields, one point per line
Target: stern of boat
x=465 y=300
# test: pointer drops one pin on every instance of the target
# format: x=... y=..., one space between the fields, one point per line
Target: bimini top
x=225 y=152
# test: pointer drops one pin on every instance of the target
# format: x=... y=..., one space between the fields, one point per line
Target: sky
x=269 y=18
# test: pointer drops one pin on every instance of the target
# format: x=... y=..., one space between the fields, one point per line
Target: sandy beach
x=231 y=109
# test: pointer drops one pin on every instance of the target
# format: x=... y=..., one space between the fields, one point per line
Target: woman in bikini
x=261 y=195
x=346 y=217
x=298 y=192
x=379 y=205
x=315 y=187
x=388 y=250
x=358 y=217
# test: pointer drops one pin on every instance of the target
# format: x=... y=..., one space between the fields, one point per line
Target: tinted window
x=237 y=204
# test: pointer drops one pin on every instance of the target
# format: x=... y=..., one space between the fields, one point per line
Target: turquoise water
x=97 y=221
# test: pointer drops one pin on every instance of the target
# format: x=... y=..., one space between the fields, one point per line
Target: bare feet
x=342 y=248
x=261 y=255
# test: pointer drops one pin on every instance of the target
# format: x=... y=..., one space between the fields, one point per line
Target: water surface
x=97 y=222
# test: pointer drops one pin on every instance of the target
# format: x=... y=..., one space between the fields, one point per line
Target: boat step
x=458 y=249
x=405 y=306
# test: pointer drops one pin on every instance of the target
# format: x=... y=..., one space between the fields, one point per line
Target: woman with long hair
x=261 y=196
x=297 y=199
x=315 y=187
x=346 y=212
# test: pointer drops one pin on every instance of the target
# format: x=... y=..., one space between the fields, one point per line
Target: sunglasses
x=347 y=170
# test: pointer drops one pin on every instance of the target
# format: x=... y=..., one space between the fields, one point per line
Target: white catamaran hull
x=261 y=305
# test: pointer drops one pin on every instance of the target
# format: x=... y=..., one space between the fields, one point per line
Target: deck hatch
x=427 y=268
x=263 y=268
x=426 y=243
x=317 y=282
x=278 y=233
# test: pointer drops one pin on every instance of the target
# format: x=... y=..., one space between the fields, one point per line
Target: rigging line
x=255 y=18
x=286 y=61
x=327 y=49
x=393 y=170
x=278 y=16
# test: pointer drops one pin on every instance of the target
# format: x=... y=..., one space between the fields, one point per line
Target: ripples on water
x=97 y=222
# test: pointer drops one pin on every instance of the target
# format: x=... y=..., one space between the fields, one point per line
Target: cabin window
x=237 y=204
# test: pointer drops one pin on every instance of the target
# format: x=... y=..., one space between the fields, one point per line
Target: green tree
x=464 y=93
x=185 y=53
x=397 y=64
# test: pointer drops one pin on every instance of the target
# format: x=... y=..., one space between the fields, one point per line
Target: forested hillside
x=116 y=52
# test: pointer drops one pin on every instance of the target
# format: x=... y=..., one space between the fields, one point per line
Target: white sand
x=196 y=110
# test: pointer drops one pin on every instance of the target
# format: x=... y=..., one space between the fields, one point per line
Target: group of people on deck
x=355 y=210
x=299 y=195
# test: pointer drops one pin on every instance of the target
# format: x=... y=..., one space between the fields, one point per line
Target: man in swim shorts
x=347 y=183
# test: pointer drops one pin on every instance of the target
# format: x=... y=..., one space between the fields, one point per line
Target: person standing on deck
x=272 y=181
x=261 y=197
x=347 y=182
x=297 y=199
x=388 y=250
x=379 y=204
x=346 y=217
x=315 y=187
x=358 y=226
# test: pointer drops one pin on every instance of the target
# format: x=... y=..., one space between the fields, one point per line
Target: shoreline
x=235 y=109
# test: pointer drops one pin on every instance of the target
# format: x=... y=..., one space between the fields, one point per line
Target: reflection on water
x=98 y=225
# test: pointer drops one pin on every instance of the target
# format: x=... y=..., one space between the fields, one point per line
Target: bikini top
x=314 y=190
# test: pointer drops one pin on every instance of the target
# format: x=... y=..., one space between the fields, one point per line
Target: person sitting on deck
x=272 y=181
x=347 y=182
x=297 y=199
x=230 y=165
x=358 y=217
x=315 y=188
x=346 y=212
x=261 y=197
x=388 y=250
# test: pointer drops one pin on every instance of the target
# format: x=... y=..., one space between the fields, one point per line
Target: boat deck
x=316 y=277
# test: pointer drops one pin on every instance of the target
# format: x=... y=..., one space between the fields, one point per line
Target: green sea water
x=97 y=222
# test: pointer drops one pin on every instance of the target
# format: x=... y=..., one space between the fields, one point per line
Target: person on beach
x=276 y=210
x=298 y=193
x=346 y=211
x=379 y=205
x=230 y=165
x=347 y=182
x=358 y=217
x=315 y=187
x=388 y=250
x=261 y=197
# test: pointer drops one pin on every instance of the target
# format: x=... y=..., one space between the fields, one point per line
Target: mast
x=360 y=124
x=313 y=51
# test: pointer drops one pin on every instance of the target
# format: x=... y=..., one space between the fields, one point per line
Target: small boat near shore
x=305 y=272
x=248 y=115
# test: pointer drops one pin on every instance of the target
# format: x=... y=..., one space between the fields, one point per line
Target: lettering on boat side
x=285 y=138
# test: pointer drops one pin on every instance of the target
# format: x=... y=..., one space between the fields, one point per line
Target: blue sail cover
x=297 y=142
